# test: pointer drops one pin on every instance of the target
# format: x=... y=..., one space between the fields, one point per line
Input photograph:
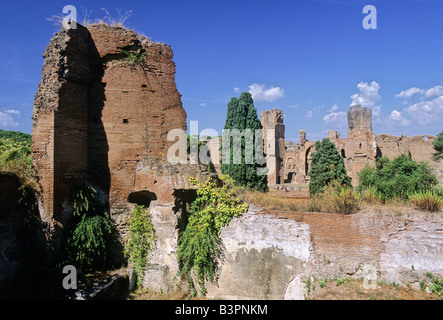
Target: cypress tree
x=327 y=166
x=242 y=115
x=438 y=147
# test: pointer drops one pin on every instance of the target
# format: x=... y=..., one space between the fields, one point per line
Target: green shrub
x=200 y=243
x=437 y=284
x=88 y=241
x=15 y=153
x=438 y=147
x=347 y=201
x=142 y=238
x=427 y=200
x=397 y=178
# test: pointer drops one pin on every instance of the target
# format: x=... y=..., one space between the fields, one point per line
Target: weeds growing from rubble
x=200 y=245
x=427 y=200
x=134 y=58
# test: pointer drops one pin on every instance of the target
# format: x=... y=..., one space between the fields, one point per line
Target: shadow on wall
x=98 y=148
x=22 y=242
x=142 y=198
x=183 y=200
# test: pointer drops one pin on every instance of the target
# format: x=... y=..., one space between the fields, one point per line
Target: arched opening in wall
x=142 y=198
x=290 y=164
x=425 y=138
x=343 y=154
x=291 y=176
x=359 y=146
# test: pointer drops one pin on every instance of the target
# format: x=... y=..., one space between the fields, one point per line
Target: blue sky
x=310 y=58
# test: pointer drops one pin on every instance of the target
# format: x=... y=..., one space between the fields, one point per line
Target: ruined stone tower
x=107 y=100
x=359 y=149
x=359 y=122
x=274 y=141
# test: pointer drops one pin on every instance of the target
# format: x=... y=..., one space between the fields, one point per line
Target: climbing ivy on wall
x=142 y=238
x=200 y=245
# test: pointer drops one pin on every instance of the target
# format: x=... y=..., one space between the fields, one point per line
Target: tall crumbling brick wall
x=96 y=115
x=272 y=122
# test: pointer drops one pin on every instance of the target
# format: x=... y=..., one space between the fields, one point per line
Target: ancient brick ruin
x=361 y=147
x=103 y=119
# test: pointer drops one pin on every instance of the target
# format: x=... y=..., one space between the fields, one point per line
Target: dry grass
x=276 y=201
x=371 y=196
x=143 y=294
x=427 y=201
x=329 y=201
x=352 y=289
x=118 y=20
x=330 y=289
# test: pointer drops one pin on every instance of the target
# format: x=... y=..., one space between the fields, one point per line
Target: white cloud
x=434 y=91
x=261 y=93
x=14 y=112
x=333 y=108
x=203 y=104
x=309 y=114
x=431 y=92
x=376 y=113
x=398 y=119
x=427 y=112
x=293 y=106
x=368 y=95
x=237 y=90
x=336 y=118
x=7 y=120
x=410 y=92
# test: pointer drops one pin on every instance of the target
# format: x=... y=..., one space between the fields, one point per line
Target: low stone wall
x=263 y=254
x=271 y=255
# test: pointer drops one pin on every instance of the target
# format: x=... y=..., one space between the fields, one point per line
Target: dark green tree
x=327 y=167
x=438 y=147
x=243 y=165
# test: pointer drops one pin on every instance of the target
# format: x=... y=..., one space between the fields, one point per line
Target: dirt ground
x=343 y=289
x=352 y=289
